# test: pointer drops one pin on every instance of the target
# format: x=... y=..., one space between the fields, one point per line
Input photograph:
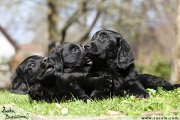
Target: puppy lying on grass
x=35 y=75
x=66 y=72
x=62 y=75
x=113 y=56
x=72 y=68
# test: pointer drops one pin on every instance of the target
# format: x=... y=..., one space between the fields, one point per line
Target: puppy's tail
x=153 y=82
x=175 y=86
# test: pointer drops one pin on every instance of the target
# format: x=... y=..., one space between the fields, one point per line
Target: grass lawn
x=160 y=101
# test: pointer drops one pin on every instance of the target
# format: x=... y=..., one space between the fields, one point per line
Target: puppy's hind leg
x=175 y=86
x=134 y=87
x=77 y=92
x=153 y=82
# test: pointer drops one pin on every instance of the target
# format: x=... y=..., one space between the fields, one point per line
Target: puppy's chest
x=102 y=72
x=77 y=69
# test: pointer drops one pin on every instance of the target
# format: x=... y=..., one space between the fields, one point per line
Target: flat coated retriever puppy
x=112 y=55
x=35 y=72
x=72 y=68
x=64 y=74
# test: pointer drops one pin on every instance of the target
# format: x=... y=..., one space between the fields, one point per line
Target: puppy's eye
x=75 y=50
x=31 y=64
x=104 y=37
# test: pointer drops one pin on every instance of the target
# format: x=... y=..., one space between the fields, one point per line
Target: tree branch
x=86 y=35
x=72 y=19
x=52 y=24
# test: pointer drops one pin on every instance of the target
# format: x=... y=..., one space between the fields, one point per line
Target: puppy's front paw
x=85 y=98
x=143 y=95
x=36 y=95
x=36 y=92
x=107 y=83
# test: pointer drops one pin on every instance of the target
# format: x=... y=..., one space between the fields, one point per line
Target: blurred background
x=36 y=26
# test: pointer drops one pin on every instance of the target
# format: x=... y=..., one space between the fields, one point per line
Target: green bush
x=159 y=66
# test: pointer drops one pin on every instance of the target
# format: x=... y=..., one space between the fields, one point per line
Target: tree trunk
x=52 y=23
x=176 y=65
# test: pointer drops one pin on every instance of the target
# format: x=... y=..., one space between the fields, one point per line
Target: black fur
x=66 y=72
x=74 y=78
x=153 y=82
x=112 y=55
x=35 y=72
x=69 y=76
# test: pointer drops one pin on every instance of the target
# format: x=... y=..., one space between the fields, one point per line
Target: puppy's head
x=107 y=44
x=69 y=55
x=32 y=70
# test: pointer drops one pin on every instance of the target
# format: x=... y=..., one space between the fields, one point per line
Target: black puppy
x=111 y=54
x=72 y=72
x=36 y=76
x=62 y=75
x=35 y=72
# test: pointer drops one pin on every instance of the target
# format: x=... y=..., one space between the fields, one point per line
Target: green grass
x=160 y=100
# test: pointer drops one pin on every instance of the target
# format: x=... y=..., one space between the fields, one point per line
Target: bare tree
x=72 y=19
x=176 y=65
x=99 y=10
x=59 y=36
x=52 y=23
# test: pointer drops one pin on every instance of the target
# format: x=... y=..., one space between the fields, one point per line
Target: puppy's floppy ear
x=125 y=55
x=19 y=84
x=57 y=57
x=60 y=59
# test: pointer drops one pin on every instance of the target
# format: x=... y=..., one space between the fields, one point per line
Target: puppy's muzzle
x=48 y=62
x=87 y=46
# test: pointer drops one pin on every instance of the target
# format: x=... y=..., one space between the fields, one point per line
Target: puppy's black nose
x=46 y=59
x=87 y=46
